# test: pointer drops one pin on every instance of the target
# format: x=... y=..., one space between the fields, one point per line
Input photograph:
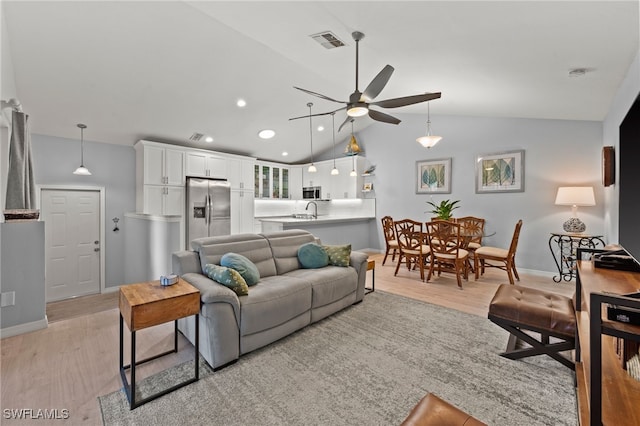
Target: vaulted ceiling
x=162 y=70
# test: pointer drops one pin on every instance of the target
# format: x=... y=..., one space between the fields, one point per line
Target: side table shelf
x=563 y=248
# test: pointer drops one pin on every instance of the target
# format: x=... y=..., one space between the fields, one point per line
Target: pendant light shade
x=312 y=167
x=82 y=170
x=429 y=140
x=335 y=170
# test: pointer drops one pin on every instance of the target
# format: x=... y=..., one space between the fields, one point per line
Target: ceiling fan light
x=357 y=110
x=428 y=141
x=312 y=168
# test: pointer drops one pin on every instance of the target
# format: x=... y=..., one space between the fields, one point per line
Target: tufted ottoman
x=517 y=308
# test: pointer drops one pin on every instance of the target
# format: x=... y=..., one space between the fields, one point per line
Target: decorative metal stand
x=563 y=247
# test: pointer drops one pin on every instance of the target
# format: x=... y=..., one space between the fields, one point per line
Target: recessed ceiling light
x=320 y=128
x=285 y=153
x=241 y=103
x=208 y=139
x=266 y=134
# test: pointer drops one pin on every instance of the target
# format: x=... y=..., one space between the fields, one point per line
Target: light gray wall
x=624 y=98
x=557 y=153
x=112 y=167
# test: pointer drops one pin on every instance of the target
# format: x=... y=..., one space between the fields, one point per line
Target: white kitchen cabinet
x=339 y=186
x=240 y=173
x=163 y=200
x=202 y=164
x=271 y=180
x=242 y=211
x=295 y=182
x=162 y=166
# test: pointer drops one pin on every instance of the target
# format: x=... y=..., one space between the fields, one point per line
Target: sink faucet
x=315 y=212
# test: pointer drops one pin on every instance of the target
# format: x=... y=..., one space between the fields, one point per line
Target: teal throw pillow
x=339 y=255
x=244 y=266
x=227 y=277
x=312 y=256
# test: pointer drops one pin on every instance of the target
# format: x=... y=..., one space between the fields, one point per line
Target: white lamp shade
x=312 y=168
x=82 y=171
x=575 y=196
x=428 y=141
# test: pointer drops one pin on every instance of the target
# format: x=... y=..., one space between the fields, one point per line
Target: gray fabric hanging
x=21 y=191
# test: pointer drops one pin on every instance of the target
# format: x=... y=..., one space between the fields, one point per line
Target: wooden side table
x=371 y=266
x=147 y=304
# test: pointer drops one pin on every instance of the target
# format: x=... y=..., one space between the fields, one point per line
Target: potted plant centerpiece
x=444 y=210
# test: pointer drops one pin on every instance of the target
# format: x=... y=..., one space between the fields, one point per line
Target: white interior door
x=72 y=242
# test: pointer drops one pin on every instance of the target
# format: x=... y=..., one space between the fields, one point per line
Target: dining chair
x=472 y=225
x=446 y=254
x=389 y=239
x=504 y=259
x=412 y=245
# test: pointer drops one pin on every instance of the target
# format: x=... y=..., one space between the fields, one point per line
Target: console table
x=563 y=248
x=606 y=394
x=147 y=304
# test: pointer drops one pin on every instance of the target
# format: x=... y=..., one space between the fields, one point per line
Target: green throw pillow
x=312 y=256
x=244 y=266
x=339 y=255
x=227 y=277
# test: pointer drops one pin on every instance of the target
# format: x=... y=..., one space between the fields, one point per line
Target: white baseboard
x=24 y=328
x=110 y=289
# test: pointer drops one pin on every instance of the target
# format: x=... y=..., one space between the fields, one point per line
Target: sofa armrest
x=184 y=262
x=358 y=261
x=213 y=292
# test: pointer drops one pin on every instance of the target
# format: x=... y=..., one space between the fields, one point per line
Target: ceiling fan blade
x=407 y=100
x=318 y=114
x=319 y=95
x=377 y=84
x=381 y=116
x=348 y=119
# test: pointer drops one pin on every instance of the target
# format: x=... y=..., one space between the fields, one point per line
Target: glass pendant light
x=429 y=140
x=335 y=170
x=82 y=170
x=312 y=167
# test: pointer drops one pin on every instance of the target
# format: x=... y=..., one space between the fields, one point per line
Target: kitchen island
x=354 y=230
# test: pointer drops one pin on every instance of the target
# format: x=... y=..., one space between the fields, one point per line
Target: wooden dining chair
x=473 y=225
x=389 y=238
x=495 y=257
x=446 y=254
x=411 y=242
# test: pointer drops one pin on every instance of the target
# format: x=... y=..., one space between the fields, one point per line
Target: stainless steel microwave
x=311 y=192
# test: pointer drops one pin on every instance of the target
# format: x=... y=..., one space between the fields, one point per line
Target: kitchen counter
x=354 y=230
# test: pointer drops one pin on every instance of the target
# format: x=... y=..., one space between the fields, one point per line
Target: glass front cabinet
x=271 y=181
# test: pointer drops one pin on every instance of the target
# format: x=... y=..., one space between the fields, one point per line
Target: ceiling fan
x=360 y=102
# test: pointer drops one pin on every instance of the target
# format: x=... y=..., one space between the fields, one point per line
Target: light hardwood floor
x=75 y=360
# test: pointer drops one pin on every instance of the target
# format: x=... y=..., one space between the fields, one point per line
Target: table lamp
x=575 y=196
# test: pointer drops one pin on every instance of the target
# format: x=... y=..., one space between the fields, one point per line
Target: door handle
x=96 y=242
x=96 y=249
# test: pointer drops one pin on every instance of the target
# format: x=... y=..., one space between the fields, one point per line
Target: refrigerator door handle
x=207 y=210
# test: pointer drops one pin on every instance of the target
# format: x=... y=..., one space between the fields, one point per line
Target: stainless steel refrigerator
x=208 y=208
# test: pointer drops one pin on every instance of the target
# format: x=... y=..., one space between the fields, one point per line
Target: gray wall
x=557 y=153
x=112 y=167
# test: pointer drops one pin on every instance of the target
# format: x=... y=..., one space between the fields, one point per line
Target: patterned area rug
x=369 y=364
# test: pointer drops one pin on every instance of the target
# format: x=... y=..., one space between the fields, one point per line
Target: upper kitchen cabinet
x=271 y=180
x=295 y=182
x=205 y=164
x=159 y=165
x=240 y=173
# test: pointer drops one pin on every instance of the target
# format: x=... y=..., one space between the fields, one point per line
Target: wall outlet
x=7 y=299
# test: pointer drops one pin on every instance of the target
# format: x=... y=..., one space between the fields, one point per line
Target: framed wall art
x=500 y=172
x=433 y=176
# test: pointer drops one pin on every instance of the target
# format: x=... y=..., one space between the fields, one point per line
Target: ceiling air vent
x=327 y=39
x=196 y=137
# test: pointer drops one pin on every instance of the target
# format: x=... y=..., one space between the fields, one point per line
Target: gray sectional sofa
x=286 y=299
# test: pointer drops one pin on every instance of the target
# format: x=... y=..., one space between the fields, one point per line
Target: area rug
x=367 y=365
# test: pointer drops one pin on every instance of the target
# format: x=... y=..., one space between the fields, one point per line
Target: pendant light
x=82 y=170
x=312 y=167
x=353 y=154
x=335 y=170
x=429 y=140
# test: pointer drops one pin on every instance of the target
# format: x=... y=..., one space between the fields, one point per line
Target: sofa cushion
x=285 y=245
x=227 y=277
x=329 y=284
x=252 y=246
x=272 y=302
x=244 y=266
x=339 y=255
x=312 y=256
